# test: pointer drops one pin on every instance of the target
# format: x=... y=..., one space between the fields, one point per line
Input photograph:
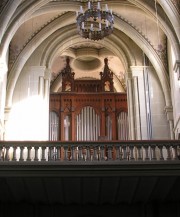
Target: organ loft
x=88 y=110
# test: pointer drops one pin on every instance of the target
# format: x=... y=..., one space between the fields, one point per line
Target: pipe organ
x=88 y=110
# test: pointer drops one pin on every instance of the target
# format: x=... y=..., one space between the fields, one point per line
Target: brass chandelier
x=95 y=23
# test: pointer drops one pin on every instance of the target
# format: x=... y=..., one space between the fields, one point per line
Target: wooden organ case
x=88 y=110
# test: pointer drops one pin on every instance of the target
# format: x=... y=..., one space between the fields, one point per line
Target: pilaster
x=130 y=106
x=3 y=81
x=140 y=107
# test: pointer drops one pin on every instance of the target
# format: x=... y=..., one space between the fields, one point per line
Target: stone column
x=137 y=118
x=175 y=95
x=130 y=107
x=47 y=78
x=3 y=81
x=140 y=111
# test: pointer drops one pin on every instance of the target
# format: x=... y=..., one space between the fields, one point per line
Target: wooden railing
x=105 y=151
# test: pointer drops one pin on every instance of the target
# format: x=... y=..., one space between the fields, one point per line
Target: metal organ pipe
x=88 y=124
x=122 y=126
x=54 y=126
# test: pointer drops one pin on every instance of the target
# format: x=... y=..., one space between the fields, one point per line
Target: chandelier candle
x=95 y=23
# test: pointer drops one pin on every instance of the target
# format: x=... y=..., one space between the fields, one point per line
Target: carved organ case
x=88 y=110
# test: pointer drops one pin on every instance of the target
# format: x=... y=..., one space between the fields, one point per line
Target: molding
x=89 y=169
x=177 y=68
x=169 y=113
x=176 y=125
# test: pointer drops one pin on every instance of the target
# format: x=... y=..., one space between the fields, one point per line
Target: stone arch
x=127 y=29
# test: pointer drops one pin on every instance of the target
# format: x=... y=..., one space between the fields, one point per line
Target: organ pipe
x=88 y=124
x=54 y=126
x=122 y=123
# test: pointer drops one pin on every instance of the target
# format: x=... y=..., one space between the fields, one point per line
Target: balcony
x=119 y=157
x=78 y=178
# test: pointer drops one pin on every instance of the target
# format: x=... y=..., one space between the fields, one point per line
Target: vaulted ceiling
x=44 y=33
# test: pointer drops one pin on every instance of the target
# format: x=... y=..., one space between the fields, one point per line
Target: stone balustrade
x=84 y=151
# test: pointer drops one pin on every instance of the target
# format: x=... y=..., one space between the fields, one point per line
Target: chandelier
x=95 y=23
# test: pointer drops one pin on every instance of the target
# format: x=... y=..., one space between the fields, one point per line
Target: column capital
x=169 y=112
x=177 y=68
x=135 y=70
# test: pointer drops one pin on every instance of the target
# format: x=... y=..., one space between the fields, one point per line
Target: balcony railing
x=100 y=151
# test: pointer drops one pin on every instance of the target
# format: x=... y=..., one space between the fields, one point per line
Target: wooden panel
x=104 y=104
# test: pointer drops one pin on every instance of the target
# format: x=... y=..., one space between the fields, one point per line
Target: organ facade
x=88 y=110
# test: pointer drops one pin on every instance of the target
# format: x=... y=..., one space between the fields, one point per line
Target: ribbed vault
x=50 y=26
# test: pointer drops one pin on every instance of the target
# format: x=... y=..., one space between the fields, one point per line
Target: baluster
x=1 y=153
x=124 y=152
x=7 y=153
x=77 y=153
x=14 y=154
x=139 y=152
x=175 y=152
x=98 y=153
x=153 y=152
x=109 y=152
x=53 y=154
x=43 y=153
x=120 y=153
x=161 y=152
x=84 y=153
x=70 y=153
x=36 y=153
x=117 y=153
x=178 y=151
x=72 y=157
x=127 y=152
x=95 y=153
x=102 y=152
x=91 y=153
x=21 y=153
x=66 y=153
x=29 y=153
x=88 y=152
x=131 y=147
x=146 y=152
x=168 y=152
x=80 y=152
x=105 y=152
x=58 y=153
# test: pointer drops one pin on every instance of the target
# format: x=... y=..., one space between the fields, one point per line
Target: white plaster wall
x=28 y=117
x=139 y=103
x=175 y=90
x=160 y=125
x=3 y=82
